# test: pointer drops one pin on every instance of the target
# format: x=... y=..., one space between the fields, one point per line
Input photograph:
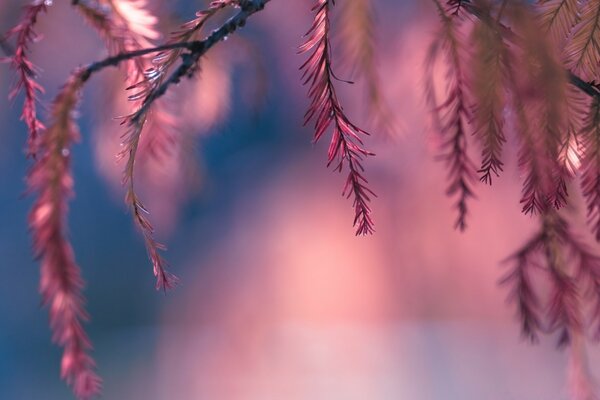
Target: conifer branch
x=488 y=76
x=346 y=146
x=586 y=87
x=590 y=178
x=522 y=292
x=452 y=115
x=358 y=26
x=196 y=49
x=163 y=136
x=542 y=89
x=538 y=93
x=571 y=152
x=583 y=50
x=576 y=80
x=548 y=118
x=50 y=178
x=136 y=121
x=61 y=283
x=117 y=31
x=537 y=185
x=558 y=17
x=588 y=270
x=119 y=58
x=455 y=6
x=564 y=308
x=552 y=250
x=26 y=71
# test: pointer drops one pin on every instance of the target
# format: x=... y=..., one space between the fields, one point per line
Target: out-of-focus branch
x=574 y=79
x=584 y=86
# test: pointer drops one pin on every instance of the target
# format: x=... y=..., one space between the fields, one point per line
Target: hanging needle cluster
x=529 y=71
x=346 y=148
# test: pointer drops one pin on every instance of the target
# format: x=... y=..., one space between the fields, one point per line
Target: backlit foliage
x=61 y=282
x=513 y=71
x=346 y=146
x=539 y=89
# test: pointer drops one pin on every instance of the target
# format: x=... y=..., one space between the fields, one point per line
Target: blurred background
x=278 y=298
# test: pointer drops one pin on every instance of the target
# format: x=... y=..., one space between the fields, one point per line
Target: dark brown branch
x=115 y=60
x=197 y=48
x=584 y=86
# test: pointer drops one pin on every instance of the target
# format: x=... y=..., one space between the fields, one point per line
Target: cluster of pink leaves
x=452 y=119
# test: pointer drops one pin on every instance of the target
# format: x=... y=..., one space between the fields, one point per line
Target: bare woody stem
x=115 y=60
x=584 y=86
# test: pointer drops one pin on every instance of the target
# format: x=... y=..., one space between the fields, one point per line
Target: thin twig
x=115 y=60
x=196 y=49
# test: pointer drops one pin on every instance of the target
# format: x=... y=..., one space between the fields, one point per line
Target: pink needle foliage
x=525 y=84
x=125 y=26
x=61 y=282
x=542 y=89
x=590 y=176
x=452 y=116
x=146 y=88
x=26 y=82
x=569 y=264
x=358 y=28
x=346 y=146
x=129 y=26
